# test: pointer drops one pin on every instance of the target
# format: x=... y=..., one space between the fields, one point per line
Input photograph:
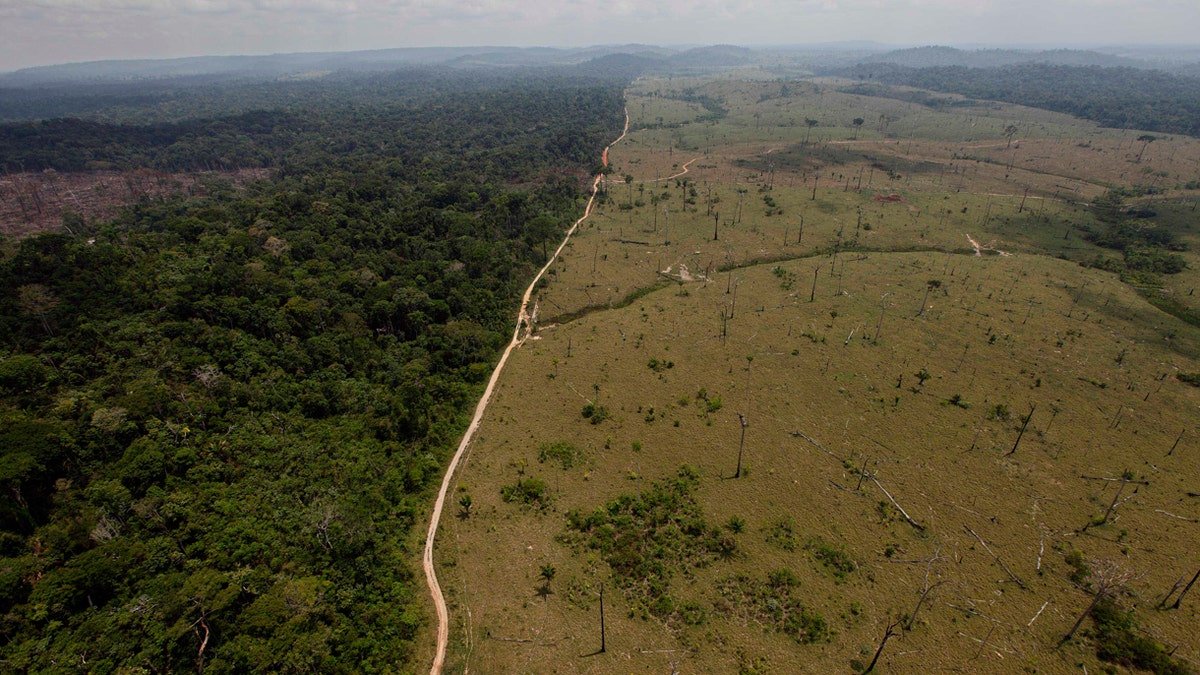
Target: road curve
x=435 y=590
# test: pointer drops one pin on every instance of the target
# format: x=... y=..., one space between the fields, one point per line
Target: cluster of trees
x=1147 y=246
x=1124 y=98
x=221 y=417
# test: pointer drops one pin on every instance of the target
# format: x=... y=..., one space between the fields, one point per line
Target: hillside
x=799 y=394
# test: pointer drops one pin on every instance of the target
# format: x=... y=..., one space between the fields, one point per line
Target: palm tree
x=810 y=123
x=1146 y=140
x=547 y=574
x=1009 y=132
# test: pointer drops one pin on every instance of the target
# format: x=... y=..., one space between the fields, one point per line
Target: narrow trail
x=519 y=333
x=685 y=170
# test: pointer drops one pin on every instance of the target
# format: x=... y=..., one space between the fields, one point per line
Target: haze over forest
x=46 y=32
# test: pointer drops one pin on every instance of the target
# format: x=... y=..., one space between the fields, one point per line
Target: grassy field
x=947 y=426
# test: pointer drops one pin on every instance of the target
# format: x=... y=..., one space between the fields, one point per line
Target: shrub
x=595 y=413
x=836 y=560
x=782 y=534
x=560 y=452
x=1190 y=378
x=1117 y=641
x=772 y=604
x=531 y=491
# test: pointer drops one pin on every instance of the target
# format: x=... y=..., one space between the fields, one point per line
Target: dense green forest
x=401 y=116
x=222 y=416
x=1124 y=98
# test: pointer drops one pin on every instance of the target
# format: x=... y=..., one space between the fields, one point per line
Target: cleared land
x=874 y=366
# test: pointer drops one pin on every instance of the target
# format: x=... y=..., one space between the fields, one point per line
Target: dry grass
x=842 y=370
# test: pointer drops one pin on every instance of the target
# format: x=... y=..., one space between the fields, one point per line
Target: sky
x=44 y=32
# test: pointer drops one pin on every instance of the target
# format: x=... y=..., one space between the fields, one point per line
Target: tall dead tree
x=1108 y=578
x=1185 y=590
x=1125 y=478
x=1176 y=443
x=887 y=635
x=1028 y=417
x=741 y=445
x=602 y=645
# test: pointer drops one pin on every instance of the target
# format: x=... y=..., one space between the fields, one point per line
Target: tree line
x=1121 y=97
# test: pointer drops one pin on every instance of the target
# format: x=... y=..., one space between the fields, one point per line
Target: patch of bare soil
x=37 y=202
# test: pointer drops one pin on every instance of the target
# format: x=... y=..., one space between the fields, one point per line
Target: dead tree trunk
x=1185 y=590
x=1125 y=478
x=924 y=594
x=1022 y=432
x=1078 y=622
x=887 y=635
x=741 y=445
x=995 y=557
x=602 y=646
x=1176 y=443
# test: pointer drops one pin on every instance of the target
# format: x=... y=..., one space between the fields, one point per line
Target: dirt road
x=523 y=326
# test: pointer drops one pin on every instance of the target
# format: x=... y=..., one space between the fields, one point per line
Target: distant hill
x=273 y=65
x=624 y=66
x=717 y=56
x=938 y=56
x=287 y=65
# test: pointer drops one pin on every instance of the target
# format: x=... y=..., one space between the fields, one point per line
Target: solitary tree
x=929 y=286
x=1146 y=140
x=547 y=574
x=465 y=502
x=810 y=123
x=858 y=122
x=1009 y=132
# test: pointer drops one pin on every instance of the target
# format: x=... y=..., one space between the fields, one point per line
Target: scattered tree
x=1145 y=140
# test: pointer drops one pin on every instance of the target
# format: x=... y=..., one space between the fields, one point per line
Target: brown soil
x=37 y=202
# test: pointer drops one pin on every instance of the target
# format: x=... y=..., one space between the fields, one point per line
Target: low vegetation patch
x=529 y=491
x=781 y=533
x=833 y=558
x=1190 y=378
x=1118 y=641
x=561 y=453
x=595 y=413
x=647 y=538
x=772 y=602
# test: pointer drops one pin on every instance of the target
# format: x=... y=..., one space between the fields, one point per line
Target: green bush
x=595 y=413
x=1118 y=641
x=772 y=604
x=835 y=559
x=560 y=452
x=530 y=491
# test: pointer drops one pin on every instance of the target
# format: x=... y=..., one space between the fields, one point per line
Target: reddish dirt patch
x=37 y=202
x=890 y=199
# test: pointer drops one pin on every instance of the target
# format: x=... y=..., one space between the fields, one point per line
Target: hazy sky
x=38 y=32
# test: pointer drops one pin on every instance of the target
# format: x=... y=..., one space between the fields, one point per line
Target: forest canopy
x=221 y=416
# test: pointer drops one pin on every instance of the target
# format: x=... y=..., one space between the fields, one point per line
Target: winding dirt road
x=524 y=325
x=659 y=180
